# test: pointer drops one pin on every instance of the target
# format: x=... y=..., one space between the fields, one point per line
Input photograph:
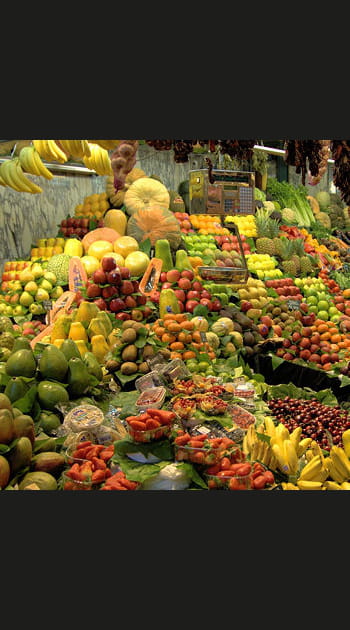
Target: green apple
x=313 y=309
x=36 y=309
x=31 y=287
x=8 y=310
x=335 y=318
x=26 y=299
x=333 y=311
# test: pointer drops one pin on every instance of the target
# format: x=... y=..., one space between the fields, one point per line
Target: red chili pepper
x=244 y=470
x=86 y=470
x=164 y=417
x=129 y=485
x=198 y=458
x=107 y=454
x=213 y=470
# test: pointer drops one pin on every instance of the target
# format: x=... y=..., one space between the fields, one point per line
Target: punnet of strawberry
x=231 y=474
x=201 y=449
x=154 y=424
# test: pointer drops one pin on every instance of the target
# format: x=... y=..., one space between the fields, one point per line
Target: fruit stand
x=150 y=344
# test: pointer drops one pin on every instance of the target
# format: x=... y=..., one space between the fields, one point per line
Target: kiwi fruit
x=144 y=367
x=128 y=323
x=129 y=353
x=129 y=335
x=284 y=317
x=129 y=367
x=148 y=352
x=276 y=311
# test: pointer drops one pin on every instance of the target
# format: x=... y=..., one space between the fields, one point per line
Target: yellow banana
x=245 y=447
x=266 y=456
x=314 y=470
x=43 y=149
x=282 y=431
x=334 y=472
x=331 y=485
x=346 y=442
x=295 y=437
x=2 y=182
x=291 y=456
x=273 y=463
x=339 y=454
x=286 y=485
x=43 y=171
x=7 y=176
x=303 y=446
x=281 y=459
x=22 y=180
x=99 y=160
x=316 y=449
x=345 y=485
x=86 y=148
x=56 y=152
x=254 y=451
x=309 y=455
x=270 y=426
x=309 y=485
x=107 y=144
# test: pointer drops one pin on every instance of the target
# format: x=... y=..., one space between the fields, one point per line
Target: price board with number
x=221 y=192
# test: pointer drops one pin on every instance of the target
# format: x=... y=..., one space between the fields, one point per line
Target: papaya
x=60 y=327
x=93 y=366
x=44 y=480
x=5 y=472
x=82 y=347
x=58 y=342
x=70 y=349
x=78 y=377
x=77 y=332
x=16 y=388
x=163 y=251
x=106 y=321
x=6 y=426
x=48 y=421
x=51 y=394
x=21 y=454
x=21 y=343
x=49 y=462
x=24 y=427
x=53 y=364
x=21 y=363
x=86 y=311
x=97 y=327
x=99 y=347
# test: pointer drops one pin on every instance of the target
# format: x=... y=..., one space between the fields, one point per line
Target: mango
x=78 y=377
x=49 y=462
x=53 y=364
x=48 y=421
x=16 y=388
x=5 y=402
x=44 y=480
x=69 y=349
x=24 y=427
x=93 y=366
x=20 y=456
x=5 y=472
x=6 y=426
x=21 y=363
x=51 y=394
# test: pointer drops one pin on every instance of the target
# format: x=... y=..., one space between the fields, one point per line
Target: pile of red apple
x=230 y=243
x=76 y=226
x=185 y=223
x=189 y=292
x=30 y=329
x=307 y=344
x=111 y=288
x=285 y=288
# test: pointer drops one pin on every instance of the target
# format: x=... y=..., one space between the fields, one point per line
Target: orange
x=322 y=328
x=159 y=331
x=335 y=338
x=327 y=366
x=196 y=336
x=167 y=338
x=184 y=337
x=346 y=293
x=188 y=354
x=169 y=316
x=175 y=355
x=334 y=347
x=187 y=325
x=326 y=336
x=180 y=317
x=197 y=346
x=172 y=327
x=211 y=354
x=177 y=345
x=333 y=330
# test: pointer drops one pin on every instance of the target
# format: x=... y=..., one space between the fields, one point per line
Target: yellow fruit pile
x=47 y=247
x=95 y=205
x=208 y=224
x=245 y=223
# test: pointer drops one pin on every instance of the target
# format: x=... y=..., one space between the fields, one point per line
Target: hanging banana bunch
x=76 y=148
x=31 y=162
x=99 y=160
x=109 y=145
x=50 y=151
x=12 y=174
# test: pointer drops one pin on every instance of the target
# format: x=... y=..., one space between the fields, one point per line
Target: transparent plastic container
x=73 y=484
x=223 y=482
x=151 y=379
x=152 y=398
x=150 y=435
x=175 y=369
x=197 y=455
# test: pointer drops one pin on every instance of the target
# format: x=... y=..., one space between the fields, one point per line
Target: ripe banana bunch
x=76 y=148
x=332 y=485
x=13 y=175
x=257 y=449
x=99 y=160
x=314 y=470
x=286 y=447
x=337 y=464
x=309 y=485
x=31 y=162
x=109 y=145
x=287 y=485
x=50 y=151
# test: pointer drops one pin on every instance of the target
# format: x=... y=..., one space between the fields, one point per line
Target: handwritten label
x=77 y=274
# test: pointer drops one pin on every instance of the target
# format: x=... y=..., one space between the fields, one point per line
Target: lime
x=323 y=315
x=312 y=299
x=313 y=309
x=323 y=305
x=333 y=311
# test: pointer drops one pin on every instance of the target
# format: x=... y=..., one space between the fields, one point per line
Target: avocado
x=53 y=364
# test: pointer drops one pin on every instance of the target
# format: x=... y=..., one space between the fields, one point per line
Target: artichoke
x=5 y=324
x=7 y=340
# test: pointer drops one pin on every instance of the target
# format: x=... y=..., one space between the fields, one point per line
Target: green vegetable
x=293 y=197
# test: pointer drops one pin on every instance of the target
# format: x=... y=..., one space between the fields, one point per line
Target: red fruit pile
x=32 y=329
x=91 y=465
x=151 y=425
x=229 y=243
x=76 y=226
x=314 y=418
x=189 y=292
x=112 y=289
x=200 y=449
x=185 y=223
x=286 y=289
x=233 y=475
x=118 y=481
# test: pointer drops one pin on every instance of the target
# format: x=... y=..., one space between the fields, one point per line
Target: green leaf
x=161 y=449
x=192 y=473
x=276 y=361
x=263 y=437
x=4 y=448
x=4 y=379
x=145 y=246
x=26 y=403
x=345 y=380
x=138 y=472
x=127 y=378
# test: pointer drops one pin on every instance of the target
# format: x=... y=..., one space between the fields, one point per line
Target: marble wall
x=25 y=217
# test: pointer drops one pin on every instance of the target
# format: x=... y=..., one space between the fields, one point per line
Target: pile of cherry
x=315 y=419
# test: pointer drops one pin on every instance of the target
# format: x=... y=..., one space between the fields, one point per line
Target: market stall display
x=148 y=374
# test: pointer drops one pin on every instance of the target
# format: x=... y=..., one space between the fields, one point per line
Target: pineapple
x=288 y=265
x=278 y=243
x=267 y=231
x=298 y=252
x=306 y=265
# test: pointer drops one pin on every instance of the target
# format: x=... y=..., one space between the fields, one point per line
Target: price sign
x=293 y=305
